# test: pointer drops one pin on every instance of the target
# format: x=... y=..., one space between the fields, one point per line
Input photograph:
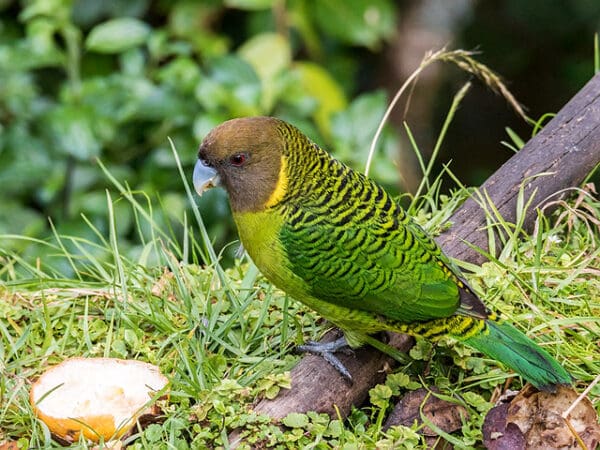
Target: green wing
x=371 y=257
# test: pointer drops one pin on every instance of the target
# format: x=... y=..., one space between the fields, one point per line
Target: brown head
x=245 y=156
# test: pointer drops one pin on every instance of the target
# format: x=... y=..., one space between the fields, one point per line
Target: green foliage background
x=82 y=80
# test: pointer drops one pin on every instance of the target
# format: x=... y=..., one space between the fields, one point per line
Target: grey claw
x=327 y=350
x=339 y=366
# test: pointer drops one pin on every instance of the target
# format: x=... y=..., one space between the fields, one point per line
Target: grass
x=226 y=337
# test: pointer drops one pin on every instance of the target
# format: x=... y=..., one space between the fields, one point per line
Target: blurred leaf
x=57 y=9
x=182 y=73
x=355 y=127
x=174 y=205
x=269 y=54
x=353 y=130
x=88 y=12
x=358 y=22
x=19 y=220
x=133 y=62
x=40 y=34
x=39 y=49
x=231 y=70
x=25 y=165
x=211 y=95
x=192 y=20
x=249 y=4
x=117 y=98
x=235 y=85
x=160 y=46
x=162 y=104
x=18 y=94
x=117 y=35
x=132 y=85
x=318 y=84
x=72 y=130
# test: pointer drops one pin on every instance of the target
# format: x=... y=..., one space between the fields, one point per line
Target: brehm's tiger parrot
x=338 y=242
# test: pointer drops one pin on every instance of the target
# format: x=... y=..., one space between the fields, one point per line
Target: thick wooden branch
x=319 y=387
x=559 y=157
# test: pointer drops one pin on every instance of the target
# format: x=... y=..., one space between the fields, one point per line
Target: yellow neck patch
x=281 y=186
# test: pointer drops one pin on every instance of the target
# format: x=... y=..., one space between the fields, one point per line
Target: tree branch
x=558 y=157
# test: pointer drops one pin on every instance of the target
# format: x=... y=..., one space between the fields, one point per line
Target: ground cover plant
x=129 y=269
x=225 y=337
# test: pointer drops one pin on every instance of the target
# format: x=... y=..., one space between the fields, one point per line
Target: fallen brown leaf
x=539 y=424
x=9 y=445
x=500 y=435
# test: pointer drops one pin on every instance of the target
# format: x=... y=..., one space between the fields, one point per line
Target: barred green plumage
x=339 y=243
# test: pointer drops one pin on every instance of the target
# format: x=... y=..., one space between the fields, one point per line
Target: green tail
x=503 y=342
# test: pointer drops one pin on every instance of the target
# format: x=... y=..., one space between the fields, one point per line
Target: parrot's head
x=245 y=156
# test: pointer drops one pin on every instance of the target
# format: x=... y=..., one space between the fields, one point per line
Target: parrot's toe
x=327 y=350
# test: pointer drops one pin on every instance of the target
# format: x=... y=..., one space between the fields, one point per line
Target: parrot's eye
x=238 y=159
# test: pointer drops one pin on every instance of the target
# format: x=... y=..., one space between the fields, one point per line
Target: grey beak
x=204 y=177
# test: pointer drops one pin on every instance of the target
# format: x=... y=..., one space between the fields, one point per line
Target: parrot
x=335 y=240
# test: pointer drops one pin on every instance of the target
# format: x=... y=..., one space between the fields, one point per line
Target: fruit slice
x=99 y=397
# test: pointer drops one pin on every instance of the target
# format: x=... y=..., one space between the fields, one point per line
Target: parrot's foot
x=327 y=350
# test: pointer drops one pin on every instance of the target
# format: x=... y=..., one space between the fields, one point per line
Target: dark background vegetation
x=84 y=79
